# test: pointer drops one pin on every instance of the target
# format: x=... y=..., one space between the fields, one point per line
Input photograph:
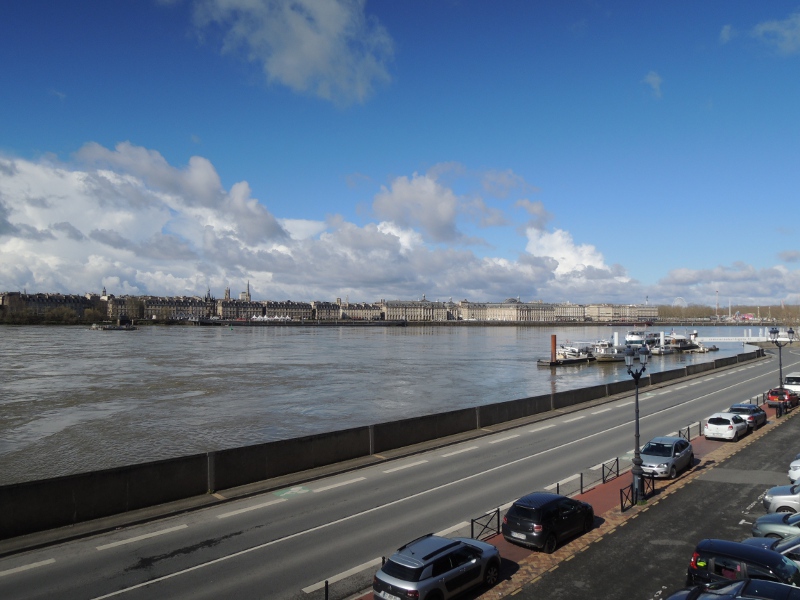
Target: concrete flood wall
x=46 y=504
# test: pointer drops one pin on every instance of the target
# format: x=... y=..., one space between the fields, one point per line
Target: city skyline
x=557 y=152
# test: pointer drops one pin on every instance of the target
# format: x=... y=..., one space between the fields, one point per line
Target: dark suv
x=543 y=519
x=721 y=560
x=436 y=568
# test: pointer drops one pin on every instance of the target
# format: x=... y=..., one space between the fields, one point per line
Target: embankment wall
x=39 y=505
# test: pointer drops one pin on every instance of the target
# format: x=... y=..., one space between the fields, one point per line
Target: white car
x=794 y=469
x=725 y=426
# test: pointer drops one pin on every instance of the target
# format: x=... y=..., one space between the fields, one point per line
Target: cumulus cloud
x=331 y=49
x=790 y=256
x=420 y=202
x=784 y=35
x=653 y=80
x=539 y=215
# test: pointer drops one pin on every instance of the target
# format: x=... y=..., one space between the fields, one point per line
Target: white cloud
x=727 y=34
x=560 y=246
x=331 y=49
x=420 y=202
x=653 y=80
x=782 y=35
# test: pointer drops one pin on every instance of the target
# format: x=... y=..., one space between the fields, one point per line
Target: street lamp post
x=644 y=353
x=773 y=337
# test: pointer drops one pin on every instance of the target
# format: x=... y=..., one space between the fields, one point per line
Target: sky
x=620 y=152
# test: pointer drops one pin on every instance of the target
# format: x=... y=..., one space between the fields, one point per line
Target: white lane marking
x=42 y=563
x=340 y=484
x=459 y=451
x=394 y=502
x=408 y=466
x=141 y=537
x=345 y=574
x=449 y=530
x=249 y=508
x=541 y=428
x=624 y=404
x=575 y=419
x=510 y=437
x=682 y=387
x=673 y=434
x=568 y=479
x=597 y=466
x=693 y=383
x=601 y=411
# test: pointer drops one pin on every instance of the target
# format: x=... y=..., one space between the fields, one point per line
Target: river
x=75 y=400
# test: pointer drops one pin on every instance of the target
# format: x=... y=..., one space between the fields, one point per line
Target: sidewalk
x=522 y=566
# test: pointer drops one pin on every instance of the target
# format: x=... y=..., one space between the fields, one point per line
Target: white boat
x=568 y=355
x=680 y=343
x=607 y=351
x=637 y=338
x=659 y=350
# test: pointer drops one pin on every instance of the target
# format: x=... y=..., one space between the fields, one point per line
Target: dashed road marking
x=408 y=466
x=601 y=411
x=459 y=451
x=509 y=437
x=35 y=565
x=141 y=537
x=249 y=508
x=575 y=419
x=541 y=428
x=340 y=484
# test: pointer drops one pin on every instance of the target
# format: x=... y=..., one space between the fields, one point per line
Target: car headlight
x=768 y=498
x=663 y=465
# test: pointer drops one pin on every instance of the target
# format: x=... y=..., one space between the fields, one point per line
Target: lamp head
x=790 y=334
x=644 y=353
x=629 y=356
x=773 y=333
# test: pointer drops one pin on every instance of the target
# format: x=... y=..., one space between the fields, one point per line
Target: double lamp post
x=780 y=342
x=638 y=480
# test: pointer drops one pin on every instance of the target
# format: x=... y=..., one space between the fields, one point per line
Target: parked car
x=543 y=519
x=782 y=498
x=721 y=560
x=436 y=567
x=754 y=415
x=777 y=525
x=782 y=397
x=747 y=589
x=794 y=469
x=725 y=426
x=666 y=456
x=792 y=382
x=789 y=547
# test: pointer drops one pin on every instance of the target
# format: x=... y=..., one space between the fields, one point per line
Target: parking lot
x=642 y=554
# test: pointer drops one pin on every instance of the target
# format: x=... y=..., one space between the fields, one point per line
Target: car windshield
x=401 y=572
x=788 y=571
x=657 y=449
x=739 y=409
x=718 y=421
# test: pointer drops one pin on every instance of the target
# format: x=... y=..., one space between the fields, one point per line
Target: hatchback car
x=437 y=568
x=725 y=426
x=666 y=456
x=748 y=589
x=789 y=547
x=542 y=520
x=783 y=397
x=777 y=525
x=720 y=560
x=754 y=415
x=782 y=498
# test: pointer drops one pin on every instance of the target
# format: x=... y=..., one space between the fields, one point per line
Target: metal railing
x=485 y=524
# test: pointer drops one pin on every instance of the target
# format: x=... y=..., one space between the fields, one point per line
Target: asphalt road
x=647 y=558
x=286 y=542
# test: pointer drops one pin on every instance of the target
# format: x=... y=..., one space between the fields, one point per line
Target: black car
x=753 y=414
x=721 y=560
x=542 y=520
x=747 y=589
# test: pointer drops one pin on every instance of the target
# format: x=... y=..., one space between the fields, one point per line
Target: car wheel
x=550 y=544
x=690 y=464
x=492 y=574
x=673 y=472
x=735 y=436
x=588 y=523
x=788 y=509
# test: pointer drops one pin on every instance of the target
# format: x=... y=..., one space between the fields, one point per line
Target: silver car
x=777 y=525
x=436 y=567
x=789 y=547
x=794 y=469
x=782 y=498
x=666 y=456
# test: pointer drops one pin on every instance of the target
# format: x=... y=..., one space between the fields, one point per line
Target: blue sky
x=557 y=151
